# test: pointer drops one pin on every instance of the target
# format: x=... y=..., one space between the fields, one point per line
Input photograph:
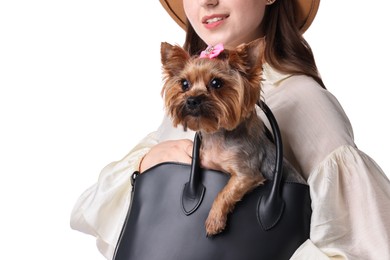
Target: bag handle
x=270 y=206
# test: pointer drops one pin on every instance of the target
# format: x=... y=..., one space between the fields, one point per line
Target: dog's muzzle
x=193 y=102
x=193 y=105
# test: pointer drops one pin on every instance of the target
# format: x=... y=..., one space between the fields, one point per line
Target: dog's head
x=212 y=93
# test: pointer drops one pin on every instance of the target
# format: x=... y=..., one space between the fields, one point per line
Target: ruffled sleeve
x=101 y=209
x=351 y=208
x=349 y=191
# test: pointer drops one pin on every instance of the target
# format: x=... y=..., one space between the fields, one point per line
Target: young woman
x=350 y=194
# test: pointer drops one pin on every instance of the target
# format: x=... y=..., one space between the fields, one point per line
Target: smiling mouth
x=215 y=19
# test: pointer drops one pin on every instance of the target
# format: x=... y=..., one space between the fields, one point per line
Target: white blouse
x=350 y=193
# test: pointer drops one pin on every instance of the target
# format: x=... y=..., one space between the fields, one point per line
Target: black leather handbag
x=171 y=201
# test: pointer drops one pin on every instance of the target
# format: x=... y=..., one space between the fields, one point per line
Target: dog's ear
x=252 y=53
x=173 y=58
x=255 y=51
x=248 y=59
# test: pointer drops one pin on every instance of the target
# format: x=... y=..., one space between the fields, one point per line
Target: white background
x=80 y=86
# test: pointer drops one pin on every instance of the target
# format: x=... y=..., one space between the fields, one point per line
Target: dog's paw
x=215 y=223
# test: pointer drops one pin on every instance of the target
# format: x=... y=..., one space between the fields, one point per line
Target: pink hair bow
x=212 y=51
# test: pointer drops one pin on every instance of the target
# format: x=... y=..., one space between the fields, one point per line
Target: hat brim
x=307 y=10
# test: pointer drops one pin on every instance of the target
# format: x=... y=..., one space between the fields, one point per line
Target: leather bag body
x=171 y=201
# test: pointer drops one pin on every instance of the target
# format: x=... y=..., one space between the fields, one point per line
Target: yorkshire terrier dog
x=215 y=93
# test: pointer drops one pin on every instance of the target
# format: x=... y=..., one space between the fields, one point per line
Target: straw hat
x=307 y=10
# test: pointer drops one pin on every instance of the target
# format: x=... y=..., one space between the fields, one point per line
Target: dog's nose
x=193 y=102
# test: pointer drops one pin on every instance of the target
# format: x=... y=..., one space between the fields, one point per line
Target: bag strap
x=271 y=205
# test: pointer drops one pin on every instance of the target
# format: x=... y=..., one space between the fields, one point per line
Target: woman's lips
x=213 y=21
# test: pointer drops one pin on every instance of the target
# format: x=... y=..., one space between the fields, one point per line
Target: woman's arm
x=101 y=209
x=172 y=150
x=350 y=193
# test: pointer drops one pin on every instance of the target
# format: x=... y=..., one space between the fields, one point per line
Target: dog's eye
x=185 y=85
x=216 y=83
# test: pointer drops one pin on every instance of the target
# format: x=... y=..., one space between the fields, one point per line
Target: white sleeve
x=350 y=193
x=351 y=208
x=100 y=211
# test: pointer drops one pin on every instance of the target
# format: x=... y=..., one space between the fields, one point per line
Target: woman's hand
x=173 y=151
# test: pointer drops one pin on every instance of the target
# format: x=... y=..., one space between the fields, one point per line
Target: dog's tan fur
x=218 y=97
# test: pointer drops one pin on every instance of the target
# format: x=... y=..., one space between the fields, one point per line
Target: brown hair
x=286 y=50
